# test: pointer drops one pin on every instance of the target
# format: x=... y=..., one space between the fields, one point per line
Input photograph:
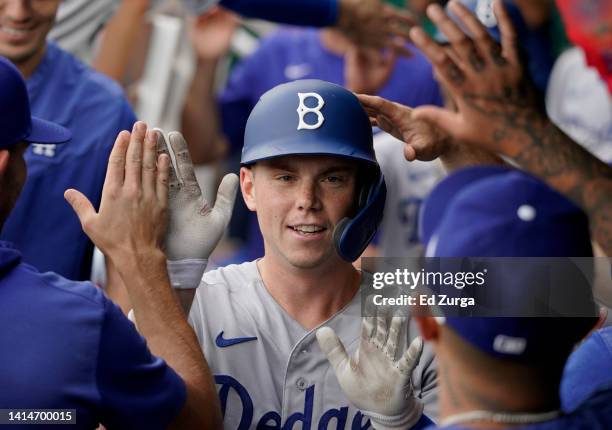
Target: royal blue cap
x=497 y=212
x=16 y=122
x=534 y=43
x=435 y=205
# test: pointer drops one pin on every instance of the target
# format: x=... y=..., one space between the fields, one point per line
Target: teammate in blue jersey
x=92 y=107
x=64 y=346
x=587 y=372
x=310 y=174
x=504 y=372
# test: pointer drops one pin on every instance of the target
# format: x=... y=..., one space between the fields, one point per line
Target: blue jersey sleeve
x=137 y=390
x=313 y=13
x=423 y=423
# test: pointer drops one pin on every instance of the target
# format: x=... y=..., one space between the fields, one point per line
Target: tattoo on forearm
x=496 y=55
x=475 y=60
x=454 y=74
x=543 y=149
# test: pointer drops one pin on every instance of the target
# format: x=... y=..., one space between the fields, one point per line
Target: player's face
x=299 y=200
x=24 y=25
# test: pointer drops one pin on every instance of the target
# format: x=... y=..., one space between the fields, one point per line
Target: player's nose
x=307 y=196
x=17 y=11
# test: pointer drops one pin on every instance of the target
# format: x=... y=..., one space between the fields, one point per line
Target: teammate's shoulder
x=84 y=76
x=50 y=286
x=233 y=275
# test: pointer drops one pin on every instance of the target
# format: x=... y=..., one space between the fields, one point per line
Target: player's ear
x=247 y=186
x=428 y=326
x=5 y=155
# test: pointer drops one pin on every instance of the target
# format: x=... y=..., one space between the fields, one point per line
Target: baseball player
x=504 y=372
x=310 y=174
x=64 y=346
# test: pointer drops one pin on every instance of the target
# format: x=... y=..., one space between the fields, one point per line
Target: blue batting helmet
x=313 y=117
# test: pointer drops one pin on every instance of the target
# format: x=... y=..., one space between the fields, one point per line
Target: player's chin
x=308 y=259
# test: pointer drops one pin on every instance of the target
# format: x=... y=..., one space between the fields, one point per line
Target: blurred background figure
x=92 y=106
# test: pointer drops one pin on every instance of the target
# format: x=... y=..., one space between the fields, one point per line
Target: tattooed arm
x=498 y=110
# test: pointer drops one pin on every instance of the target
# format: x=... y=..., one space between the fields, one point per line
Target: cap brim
x=301 y=146
x=438 y=200
x=47 y=132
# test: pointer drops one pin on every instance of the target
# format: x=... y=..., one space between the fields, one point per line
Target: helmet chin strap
x=499 y=417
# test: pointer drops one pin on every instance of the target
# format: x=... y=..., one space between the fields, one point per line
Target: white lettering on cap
x=302 y=110
x=509 y=345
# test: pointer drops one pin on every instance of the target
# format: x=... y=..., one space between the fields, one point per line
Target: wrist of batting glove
x=403 y=421
x=186 y=274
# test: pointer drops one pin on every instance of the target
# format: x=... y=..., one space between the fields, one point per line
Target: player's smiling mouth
x=307 y=229
x=16 y=34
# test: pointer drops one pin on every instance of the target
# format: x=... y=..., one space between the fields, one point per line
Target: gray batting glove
x=194 y=228
x=372 y=380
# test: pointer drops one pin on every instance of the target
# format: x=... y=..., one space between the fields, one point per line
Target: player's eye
x=333 y=179
x=284 y=178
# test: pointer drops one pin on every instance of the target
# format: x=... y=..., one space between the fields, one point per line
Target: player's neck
x=28 y=65
x=463 y=390
x=310 y=297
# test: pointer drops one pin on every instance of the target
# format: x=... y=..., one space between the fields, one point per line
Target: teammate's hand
x=211 y=33
x=367 y=70
x=372 y=379
x=376 y=24
x=494 y=100
x=194 y=228
x=132 y=218
x=423 y=141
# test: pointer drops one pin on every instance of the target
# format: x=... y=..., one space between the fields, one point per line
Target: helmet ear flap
x=364 y=194
x=339 y=231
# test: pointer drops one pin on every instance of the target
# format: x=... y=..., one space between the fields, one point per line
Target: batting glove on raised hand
x=373 y=381
x=194 y=228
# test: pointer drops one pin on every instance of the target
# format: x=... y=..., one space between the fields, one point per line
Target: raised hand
x=194 y=227
x=375 y=24
x=423 y=141
x=499 y=111
x=132 y=218
x=487 y=82
x=372 y=379
x=211 y=33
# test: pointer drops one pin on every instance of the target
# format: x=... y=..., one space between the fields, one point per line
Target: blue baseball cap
x=535 y=44
x=16 y=122
x=490 y=211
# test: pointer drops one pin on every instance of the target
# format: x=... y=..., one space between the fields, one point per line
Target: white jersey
x=269 y=370
x=578 y=101
x=408 y=184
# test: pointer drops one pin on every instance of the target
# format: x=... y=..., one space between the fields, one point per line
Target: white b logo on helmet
x=302 y=110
